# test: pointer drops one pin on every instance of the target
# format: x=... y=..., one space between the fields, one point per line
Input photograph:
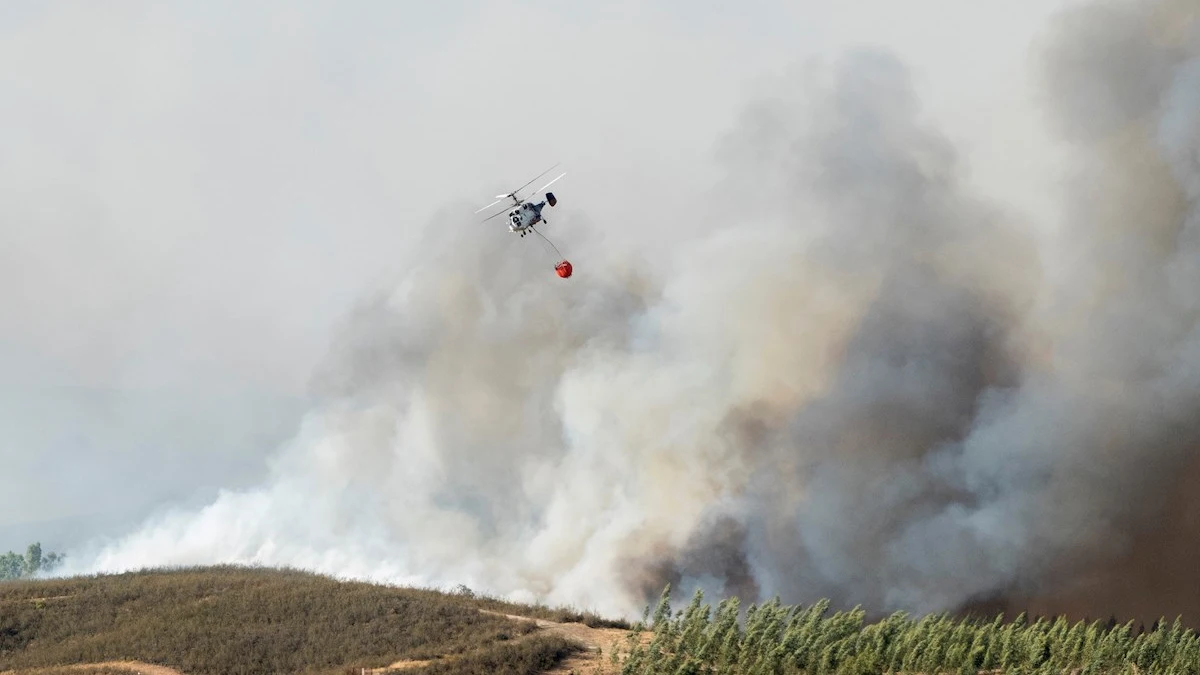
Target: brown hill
x=231 y=620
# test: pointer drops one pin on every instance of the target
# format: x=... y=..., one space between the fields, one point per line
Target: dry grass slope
x=232 y=620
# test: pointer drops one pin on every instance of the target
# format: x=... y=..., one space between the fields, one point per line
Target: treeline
x=779 y=639
x=13 y=565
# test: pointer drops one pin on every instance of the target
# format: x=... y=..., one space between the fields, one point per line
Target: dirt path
x=399 y=665
x=598 y=644
x=131 y=667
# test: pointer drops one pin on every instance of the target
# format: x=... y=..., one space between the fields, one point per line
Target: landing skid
x=529 y=228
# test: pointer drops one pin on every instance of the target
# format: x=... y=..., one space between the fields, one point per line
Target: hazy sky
x=192 y=194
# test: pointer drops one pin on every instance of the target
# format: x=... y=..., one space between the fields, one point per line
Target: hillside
x=230 y=620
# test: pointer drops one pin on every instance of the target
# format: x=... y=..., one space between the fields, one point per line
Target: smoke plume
x=858 y=381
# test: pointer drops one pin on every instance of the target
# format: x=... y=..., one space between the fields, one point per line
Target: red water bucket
x=563 y=269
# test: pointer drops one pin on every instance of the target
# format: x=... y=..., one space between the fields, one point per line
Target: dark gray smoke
x=859 y=381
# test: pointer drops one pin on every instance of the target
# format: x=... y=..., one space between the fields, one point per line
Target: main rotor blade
x=535 y=178
x=550 y=183
x=513 y=195
x=492 y=204
x=495 y=214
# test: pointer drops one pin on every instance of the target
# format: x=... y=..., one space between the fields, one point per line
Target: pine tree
x=695 y=620
x=662 y=612
x=1039 y=650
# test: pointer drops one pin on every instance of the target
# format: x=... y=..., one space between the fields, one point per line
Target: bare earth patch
x=131 y=667
x=399 y=665
x=599 y=644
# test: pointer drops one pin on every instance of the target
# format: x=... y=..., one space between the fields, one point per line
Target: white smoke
x=868 y=384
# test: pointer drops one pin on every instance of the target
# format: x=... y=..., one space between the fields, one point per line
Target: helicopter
x=523 y=213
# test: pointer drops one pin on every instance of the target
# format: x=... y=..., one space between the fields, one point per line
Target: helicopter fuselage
x=528 y=214
x=525 y=216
